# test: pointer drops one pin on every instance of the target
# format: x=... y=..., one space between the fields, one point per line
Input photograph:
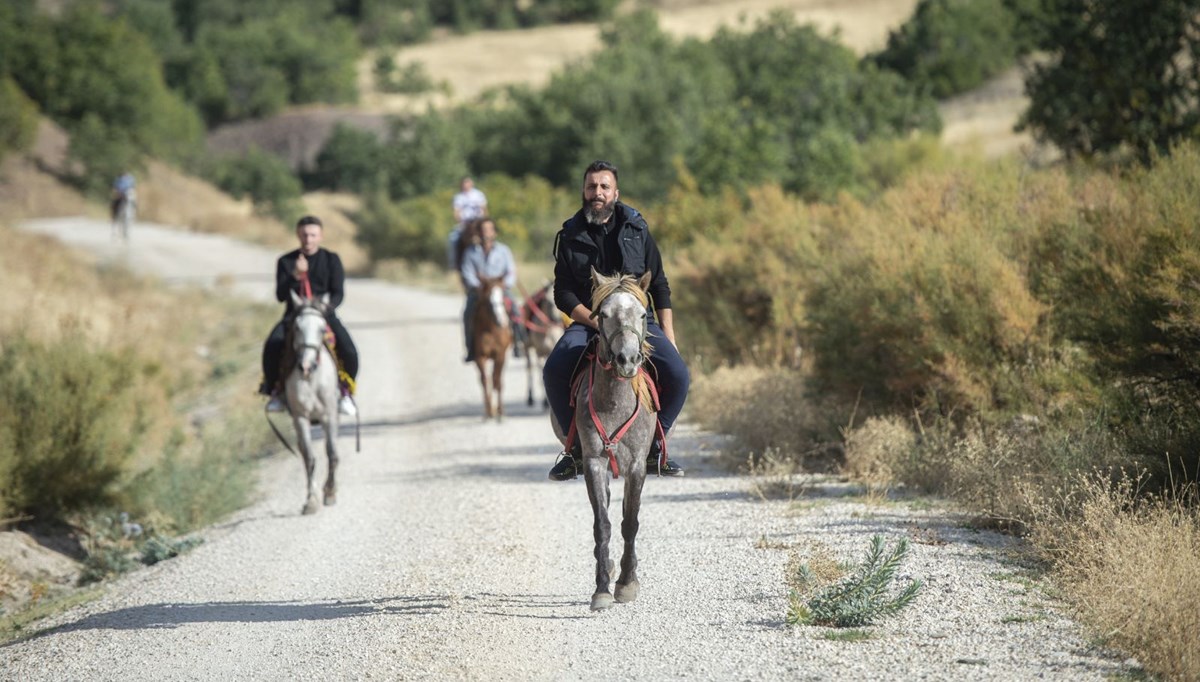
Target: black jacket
x=325 y=275
x=625 y=247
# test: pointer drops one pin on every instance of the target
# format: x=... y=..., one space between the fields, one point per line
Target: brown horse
x=491 y=337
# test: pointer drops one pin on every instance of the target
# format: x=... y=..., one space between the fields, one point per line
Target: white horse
x=544 y=325
x=312 y=392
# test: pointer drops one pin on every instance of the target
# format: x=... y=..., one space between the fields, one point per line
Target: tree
x=951 y=46
x=1122 y=75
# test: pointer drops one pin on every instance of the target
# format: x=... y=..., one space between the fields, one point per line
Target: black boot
x=669 y=468
x=569 y=464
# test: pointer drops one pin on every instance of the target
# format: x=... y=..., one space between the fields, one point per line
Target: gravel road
x=450 y=556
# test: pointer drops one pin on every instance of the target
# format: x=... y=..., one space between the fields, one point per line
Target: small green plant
x=158 y=548
x=856 y=600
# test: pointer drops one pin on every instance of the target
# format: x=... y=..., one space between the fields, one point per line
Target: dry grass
x=768 y=410
x=1131 y=567
x=878 y=452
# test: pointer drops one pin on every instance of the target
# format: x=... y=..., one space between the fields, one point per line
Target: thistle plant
x=858 y=599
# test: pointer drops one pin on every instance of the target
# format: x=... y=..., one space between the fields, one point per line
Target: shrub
x=264 y=177
x=858 y=599
x=1126 y=561
x=70 y=422
x=18 y=118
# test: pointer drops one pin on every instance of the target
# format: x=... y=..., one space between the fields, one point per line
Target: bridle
x=604 y=353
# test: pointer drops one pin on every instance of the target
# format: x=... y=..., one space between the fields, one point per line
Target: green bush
x=528 y=213
x=264 y=177
x=951 y=46
x=859 y=599
x=18 y=118
x=70 y=421
x=351 y=160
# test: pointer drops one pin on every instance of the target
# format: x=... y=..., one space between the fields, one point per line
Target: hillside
x=474 y=63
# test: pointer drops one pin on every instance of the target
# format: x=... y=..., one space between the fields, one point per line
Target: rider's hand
x=301 y=265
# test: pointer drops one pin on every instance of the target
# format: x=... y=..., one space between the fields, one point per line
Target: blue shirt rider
x=489 y=258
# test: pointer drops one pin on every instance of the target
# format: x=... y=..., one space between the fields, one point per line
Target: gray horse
x=312 y=392
x=545 y=327
x=615 y=422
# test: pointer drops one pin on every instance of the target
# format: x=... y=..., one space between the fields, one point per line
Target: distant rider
x=489 y=258
x=124 y=189
x=323 y=270
x=469 y=204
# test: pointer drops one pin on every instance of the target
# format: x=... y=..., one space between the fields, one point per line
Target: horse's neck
x=609 y=392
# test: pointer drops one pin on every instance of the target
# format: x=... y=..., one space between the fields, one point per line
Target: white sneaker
x=346 y=406
x=276 y=404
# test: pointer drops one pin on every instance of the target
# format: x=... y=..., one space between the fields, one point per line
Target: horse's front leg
x=627 y=582
x=597 y=486
x=304 y=443
x=480 y=360
x=530 y=354
x=331 y=429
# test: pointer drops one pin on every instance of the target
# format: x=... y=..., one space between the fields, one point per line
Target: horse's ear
x=596 y=277
x=325 y=299
x=644 y=281
x=296 y=300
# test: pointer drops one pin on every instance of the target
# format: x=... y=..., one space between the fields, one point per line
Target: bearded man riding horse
x=612 y=238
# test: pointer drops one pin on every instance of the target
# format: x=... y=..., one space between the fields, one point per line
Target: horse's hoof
x=310 y=507
x=628 y=592
x=529 y=402
x=330 y=499
x=601 y=601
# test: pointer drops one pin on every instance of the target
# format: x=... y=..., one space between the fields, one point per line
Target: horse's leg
x=480 y=360
x=304 y=441
x=597 y=486
x=498 y=382
x=530 y=354
x=627 y=582
x=330 y=425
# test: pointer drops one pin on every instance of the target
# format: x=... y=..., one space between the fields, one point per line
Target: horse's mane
x=604 y=288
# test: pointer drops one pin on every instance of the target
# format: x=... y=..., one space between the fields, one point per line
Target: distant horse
x=615 y=421
x=491 y=336
x=544 y=326
x=124 y=213
x=312 y=391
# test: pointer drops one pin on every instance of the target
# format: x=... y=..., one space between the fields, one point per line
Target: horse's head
x=619 y=306
x=308 y=330
x=491 y=294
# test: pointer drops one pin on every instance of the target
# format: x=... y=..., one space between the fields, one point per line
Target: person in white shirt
x=469 y=204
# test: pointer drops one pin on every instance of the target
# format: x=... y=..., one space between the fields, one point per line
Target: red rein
x=610 y=442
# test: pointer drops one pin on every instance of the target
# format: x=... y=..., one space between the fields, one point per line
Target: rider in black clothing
x=323 y=270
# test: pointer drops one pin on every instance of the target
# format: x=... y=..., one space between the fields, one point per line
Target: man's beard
x=598 y=216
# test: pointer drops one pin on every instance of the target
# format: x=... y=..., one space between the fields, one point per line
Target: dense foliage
x=101 y=81
x=1122 y=76
x=951 y=46
x=777 y=103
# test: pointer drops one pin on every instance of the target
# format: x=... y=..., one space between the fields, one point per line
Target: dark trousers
x=272 y=354
x=668 y=371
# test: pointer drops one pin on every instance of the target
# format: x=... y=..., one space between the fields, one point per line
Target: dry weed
x=878 y=452
x=1130 y=564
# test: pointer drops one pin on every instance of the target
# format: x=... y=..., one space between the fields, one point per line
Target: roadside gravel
x=450 y=556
